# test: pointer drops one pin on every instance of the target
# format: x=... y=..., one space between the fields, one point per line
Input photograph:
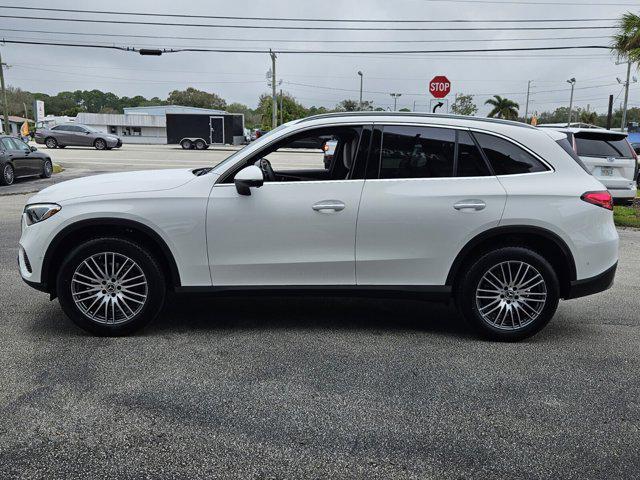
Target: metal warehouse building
x=140 y=124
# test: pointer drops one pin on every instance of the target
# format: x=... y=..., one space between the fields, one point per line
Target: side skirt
x=436 y=293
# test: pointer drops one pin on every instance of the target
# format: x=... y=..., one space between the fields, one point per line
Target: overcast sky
x=241 y=77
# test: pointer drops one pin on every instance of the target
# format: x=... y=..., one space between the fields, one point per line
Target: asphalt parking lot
x=275 y=388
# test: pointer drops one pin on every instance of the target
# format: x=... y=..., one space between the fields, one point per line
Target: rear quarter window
x=507 y=158
x=567 y=147
x=595 y=144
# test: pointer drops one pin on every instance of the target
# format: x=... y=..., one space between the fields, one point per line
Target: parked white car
x=608 y=156
x=495 y=215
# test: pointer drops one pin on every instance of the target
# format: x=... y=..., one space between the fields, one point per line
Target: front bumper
x=589 y=286
x=113 y=143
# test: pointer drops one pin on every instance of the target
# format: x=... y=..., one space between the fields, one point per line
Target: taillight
x=601 y=199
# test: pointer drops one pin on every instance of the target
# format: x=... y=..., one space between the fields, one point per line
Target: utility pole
x=572 y=82
x=274 y=106
x=395 y=99
x=626 y=97
x=5 y=107
x=526 y=108
x=414 y=105
x=361 y=77
x=281 y=109
x=609 y=112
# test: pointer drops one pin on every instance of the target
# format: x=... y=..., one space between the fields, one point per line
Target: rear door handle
x=328 y=205
x=476 y=205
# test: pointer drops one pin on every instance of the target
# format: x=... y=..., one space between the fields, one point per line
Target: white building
x=138 y=124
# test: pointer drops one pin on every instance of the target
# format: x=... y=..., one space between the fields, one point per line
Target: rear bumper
x=624 y=193
x=589 y=286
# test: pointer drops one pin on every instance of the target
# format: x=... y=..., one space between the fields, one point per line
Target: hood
x=115 y=183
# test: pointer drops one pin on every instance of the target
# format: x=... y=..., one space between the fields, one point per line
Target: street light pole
x=5 y=107
x=274 y=97
x=361 y=77
x=526 y=108
x=395 y=99
x=572 y=82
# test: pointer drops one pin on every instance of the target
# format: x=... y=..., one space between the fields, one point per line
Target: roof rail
x=414 y=114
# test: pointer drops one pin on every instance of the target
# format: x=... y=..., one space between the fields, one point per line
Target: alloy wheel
x=109 y=288
x=51 y=143
x=511 y=295
x=8 y=174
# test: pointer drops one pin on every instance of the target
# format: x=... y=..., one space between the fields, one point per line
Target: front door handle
x=328 y=205
x=475 y=205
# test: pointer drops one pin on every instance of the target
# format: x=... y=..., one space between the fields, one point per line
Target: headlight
x=38 y=212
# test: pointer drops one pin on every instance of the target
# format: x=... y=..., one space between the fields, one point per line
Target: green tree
x=503 y=108
x=193 y=97
x=354 y=106
x=463 y=105
x=588 y=117
x=626 y=42
x=291 y=109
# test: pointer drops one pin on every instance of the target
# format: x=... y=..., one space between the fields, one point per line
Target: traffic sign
x=437 y=105
x=440 y=86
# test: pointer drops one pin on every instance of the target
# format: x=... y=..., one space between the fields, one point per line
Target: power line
x=305 y=27
x=299 y=19
x=359 y=52
x=288 y=40
x=534 y=2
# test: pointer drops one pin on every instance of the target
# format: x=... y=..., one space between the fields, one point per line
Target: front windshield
x=258 y=142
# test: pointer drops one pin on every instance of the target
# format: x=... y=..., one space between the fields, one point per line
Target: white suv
x=493 y=214
x=608 y=156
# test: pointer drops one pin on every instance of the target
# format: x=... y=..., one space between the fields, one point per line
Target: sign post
x=439 y=87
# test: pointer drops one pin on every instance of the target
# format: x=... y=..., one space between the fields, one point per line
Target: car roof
x=382 y=116
x=592 y=129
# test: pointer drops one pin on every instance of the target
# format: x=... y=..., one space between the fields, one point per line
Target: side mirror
x=248 y=177
x=32 y=148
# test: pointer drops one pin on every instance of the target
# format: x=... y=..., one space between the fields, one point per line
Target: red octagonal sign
x=440 y=86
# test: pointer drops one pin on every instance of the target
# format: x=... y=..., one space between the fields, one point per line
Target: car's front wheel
x=100 y=144
x=47 y=169
x=51 y=142
x=508 y=294
x=8 y=174
x=110 y=286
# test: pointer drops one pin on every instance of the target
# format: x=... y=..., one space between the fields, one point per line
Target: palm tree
x=626 y=42
x=503 y=108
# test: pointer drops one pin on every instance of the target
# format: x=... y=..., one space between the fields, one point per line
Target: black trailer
x=197 y=130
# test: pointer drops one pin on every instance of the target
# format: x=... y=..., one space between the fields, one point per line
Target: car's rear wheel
x=509 y=294
x=186 y=144
x=100 y=144
x=8 y=174
x=51 y=142
x=110 y=286
x=47 y=169
x=200 y=145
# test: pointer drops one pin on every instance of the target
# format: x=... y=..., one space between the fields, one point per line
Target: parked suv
x=70 y=134
x=609 y=157
x=495 y=215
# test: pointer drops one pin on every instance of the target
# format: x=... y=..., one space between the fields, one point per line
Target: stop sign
x=440 y=86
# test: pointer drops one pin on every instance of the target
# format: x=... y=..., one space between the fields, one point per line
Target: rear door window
x=507 y=158
x=594 y=144
x=417 y=152
x=470 y=162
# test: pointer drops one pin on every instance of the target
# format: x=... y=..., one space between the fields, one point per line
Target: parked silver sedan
x=76 y=135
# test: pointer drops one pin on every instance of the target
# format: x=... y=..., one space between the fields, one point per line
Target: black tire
x=527 y=326
x=47 y=169
x=51 y=142
x=200 y=145
x=8 y=174
x=155 y=285
x=186 y=144
x=100 y=144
